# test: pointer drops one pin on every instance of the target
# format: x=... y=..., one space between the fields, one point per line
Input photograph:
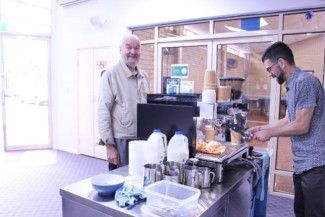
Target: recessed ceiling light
x=263 y=22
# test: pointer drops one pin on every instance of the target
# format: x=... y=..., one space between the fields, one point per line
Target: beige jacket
x=119 y=94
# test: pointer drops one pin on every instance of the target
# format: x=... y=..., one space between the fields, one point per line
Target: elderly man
x=304 y=123
x=122 y=87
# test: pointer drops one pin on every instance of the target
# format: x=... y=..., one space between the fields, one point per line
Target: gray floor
x=30 y=183
x=279 y=207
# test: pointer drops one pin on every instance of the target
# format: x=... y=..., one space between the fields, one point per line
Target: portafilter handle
x=248 y=136
x=250 y=151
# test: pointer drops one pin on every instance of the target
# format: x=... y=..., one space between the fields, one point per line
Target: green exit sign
x=179 y=71
x=3 y=27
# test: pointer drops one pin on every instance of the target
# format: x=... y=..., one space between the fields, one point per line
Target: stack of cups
x=209 y=87
x=209 y=96
x=209 y=80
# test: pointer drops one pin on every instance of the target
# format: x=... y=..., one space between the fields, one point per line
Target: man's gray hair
x=128 y=36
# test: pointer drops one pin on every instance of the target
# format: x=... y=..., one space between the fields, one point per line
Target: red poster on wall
x=101 y=64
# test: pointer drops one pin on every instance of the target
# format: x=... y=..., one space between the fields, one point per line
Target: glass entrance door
x=232 y=57
x=241 y=59
x=25 y=92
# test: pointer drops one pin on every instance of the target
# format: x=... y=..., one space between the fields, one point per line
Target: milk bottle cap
x=157 y=130
x=179 y=132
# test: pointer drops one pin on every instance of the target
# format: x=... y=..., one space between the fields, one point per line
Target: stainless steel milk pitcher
x=152 y=173
x=191 y=176
x=206 y=177
x=172 y=165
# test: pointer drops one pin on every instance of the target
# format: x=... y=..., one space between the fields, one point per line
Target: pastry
x=215 y=147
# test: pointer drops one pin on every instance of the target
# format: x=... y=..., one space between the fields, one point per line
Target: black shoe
x=111 y=166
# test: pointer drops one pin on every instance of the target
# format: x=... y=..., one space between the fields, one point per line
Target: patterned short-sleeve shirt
x=306 y=91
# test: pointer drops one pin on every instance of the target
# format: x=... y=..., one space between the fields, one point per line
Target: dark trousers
x=310 y=193
x=123 y=150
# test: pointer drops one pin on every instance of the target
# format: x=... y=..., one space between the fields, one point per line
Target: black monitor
x=168 y=118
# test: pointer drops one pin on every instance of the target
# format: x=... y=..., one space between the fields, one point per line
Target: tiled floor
x=30 y=187
x=279 y=207
x=30 y=183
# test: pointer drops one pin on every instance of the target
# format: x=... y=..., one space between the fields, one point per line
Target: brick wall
x=309 y=54
x=145 y=34
x=195 y=57
x=257 y=82
x=147 y=62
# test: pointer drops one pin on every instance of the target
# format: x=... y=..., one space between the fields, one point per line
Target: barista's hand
x=262 y=135
x=112 y=154
x=254 y=129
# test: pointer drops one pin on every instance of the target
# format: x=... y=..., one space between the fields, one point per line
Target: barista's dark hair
x=279 y=50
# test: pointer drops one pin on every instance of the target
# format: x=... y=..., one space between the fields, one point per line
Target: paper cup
x=210 y=133
x=209 y=96
x=209 y=79
x=224 y=93
x=235 y=137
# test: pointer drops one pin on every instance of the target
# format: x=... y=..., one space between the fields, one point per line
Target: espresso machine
x=219 y=132
x=184 y=112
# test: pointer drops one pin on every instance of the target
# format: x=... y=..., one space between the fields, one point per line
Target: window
x=184 y=30
x=145 y=34
x=308 y=20
x=26 y=16
x=246 y=24
x=147 y=63
x=194 y=56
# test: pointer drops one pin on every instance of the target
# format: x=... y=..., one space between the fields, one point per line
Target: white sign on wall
x=187 y=86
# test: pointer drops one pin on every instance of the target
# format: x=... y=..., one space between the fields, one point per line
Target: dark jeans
x=123 y=150
x=310 y=193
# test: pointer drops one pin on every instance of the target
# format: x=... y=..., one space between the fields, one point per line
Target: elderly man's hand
x=112 y=154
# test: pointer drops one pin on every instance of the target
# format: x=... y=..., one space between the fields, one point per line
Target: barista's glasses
x=269 y=69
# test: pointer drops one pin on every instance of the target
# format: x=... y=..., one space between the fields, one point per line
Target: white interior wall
x=72 y=30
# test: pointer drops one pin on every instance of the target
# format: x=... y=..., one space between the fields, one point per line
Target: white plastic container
x=165 y=198
x=156 y=147
x=177 y=149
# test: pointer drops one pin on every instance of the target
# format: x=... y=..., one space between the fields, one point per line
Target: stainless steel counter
x=231 y=198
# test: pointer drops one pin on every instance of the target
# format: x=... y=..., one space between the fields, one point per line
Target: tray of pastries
x=211 y=141
x=211 y=147
x=217 y=151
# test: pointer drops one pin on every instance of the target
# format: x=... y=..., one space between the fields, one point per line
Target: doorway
x=24 y=88
x=91 y=64
x=241 y=58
